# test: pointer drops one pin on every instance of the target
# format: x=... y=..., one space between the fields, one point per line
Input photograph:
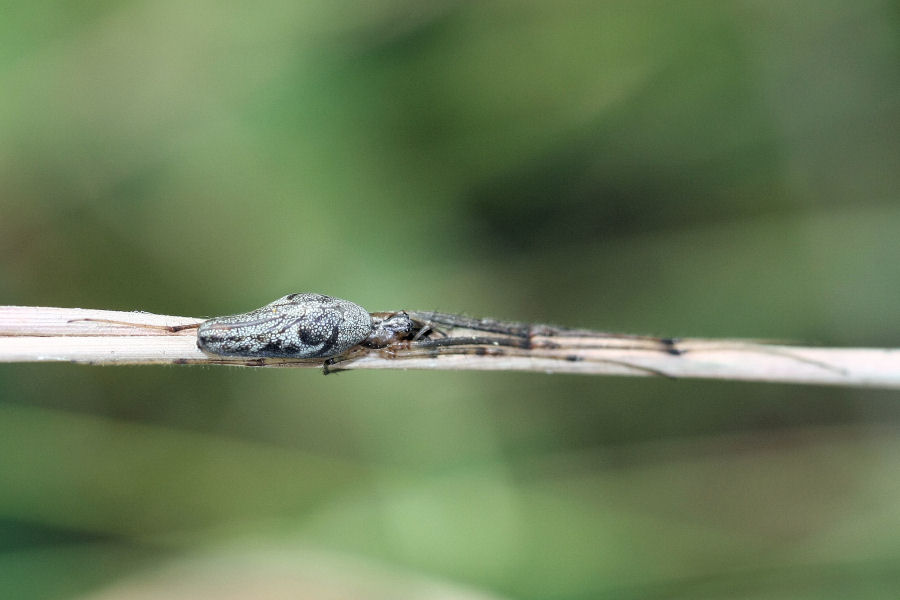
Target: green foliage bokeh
x=683 y=168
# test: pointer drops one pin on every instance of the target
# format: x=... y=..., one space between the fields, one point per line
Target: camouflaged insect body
x=295 y=326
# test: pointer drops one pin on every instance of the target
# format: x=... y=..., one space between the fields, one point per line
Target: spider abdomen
x=295 y=326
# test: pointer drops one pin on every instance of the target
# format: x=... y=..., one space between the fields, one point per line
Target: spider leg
x=738 y=347
x=169 y=328
x=530 y=343
x=424 y=331
x=499 y=347
x=329 y=366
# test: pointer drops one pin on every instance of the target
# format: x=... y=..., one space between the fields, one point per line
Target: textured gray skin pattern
x=296 y=326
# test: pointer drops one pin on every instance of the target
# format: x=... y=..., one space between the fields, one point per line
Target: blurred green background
x=682 y=168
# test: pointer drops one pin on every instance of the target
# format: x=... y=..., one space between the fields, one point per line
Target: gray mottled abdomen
x=296 y=326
